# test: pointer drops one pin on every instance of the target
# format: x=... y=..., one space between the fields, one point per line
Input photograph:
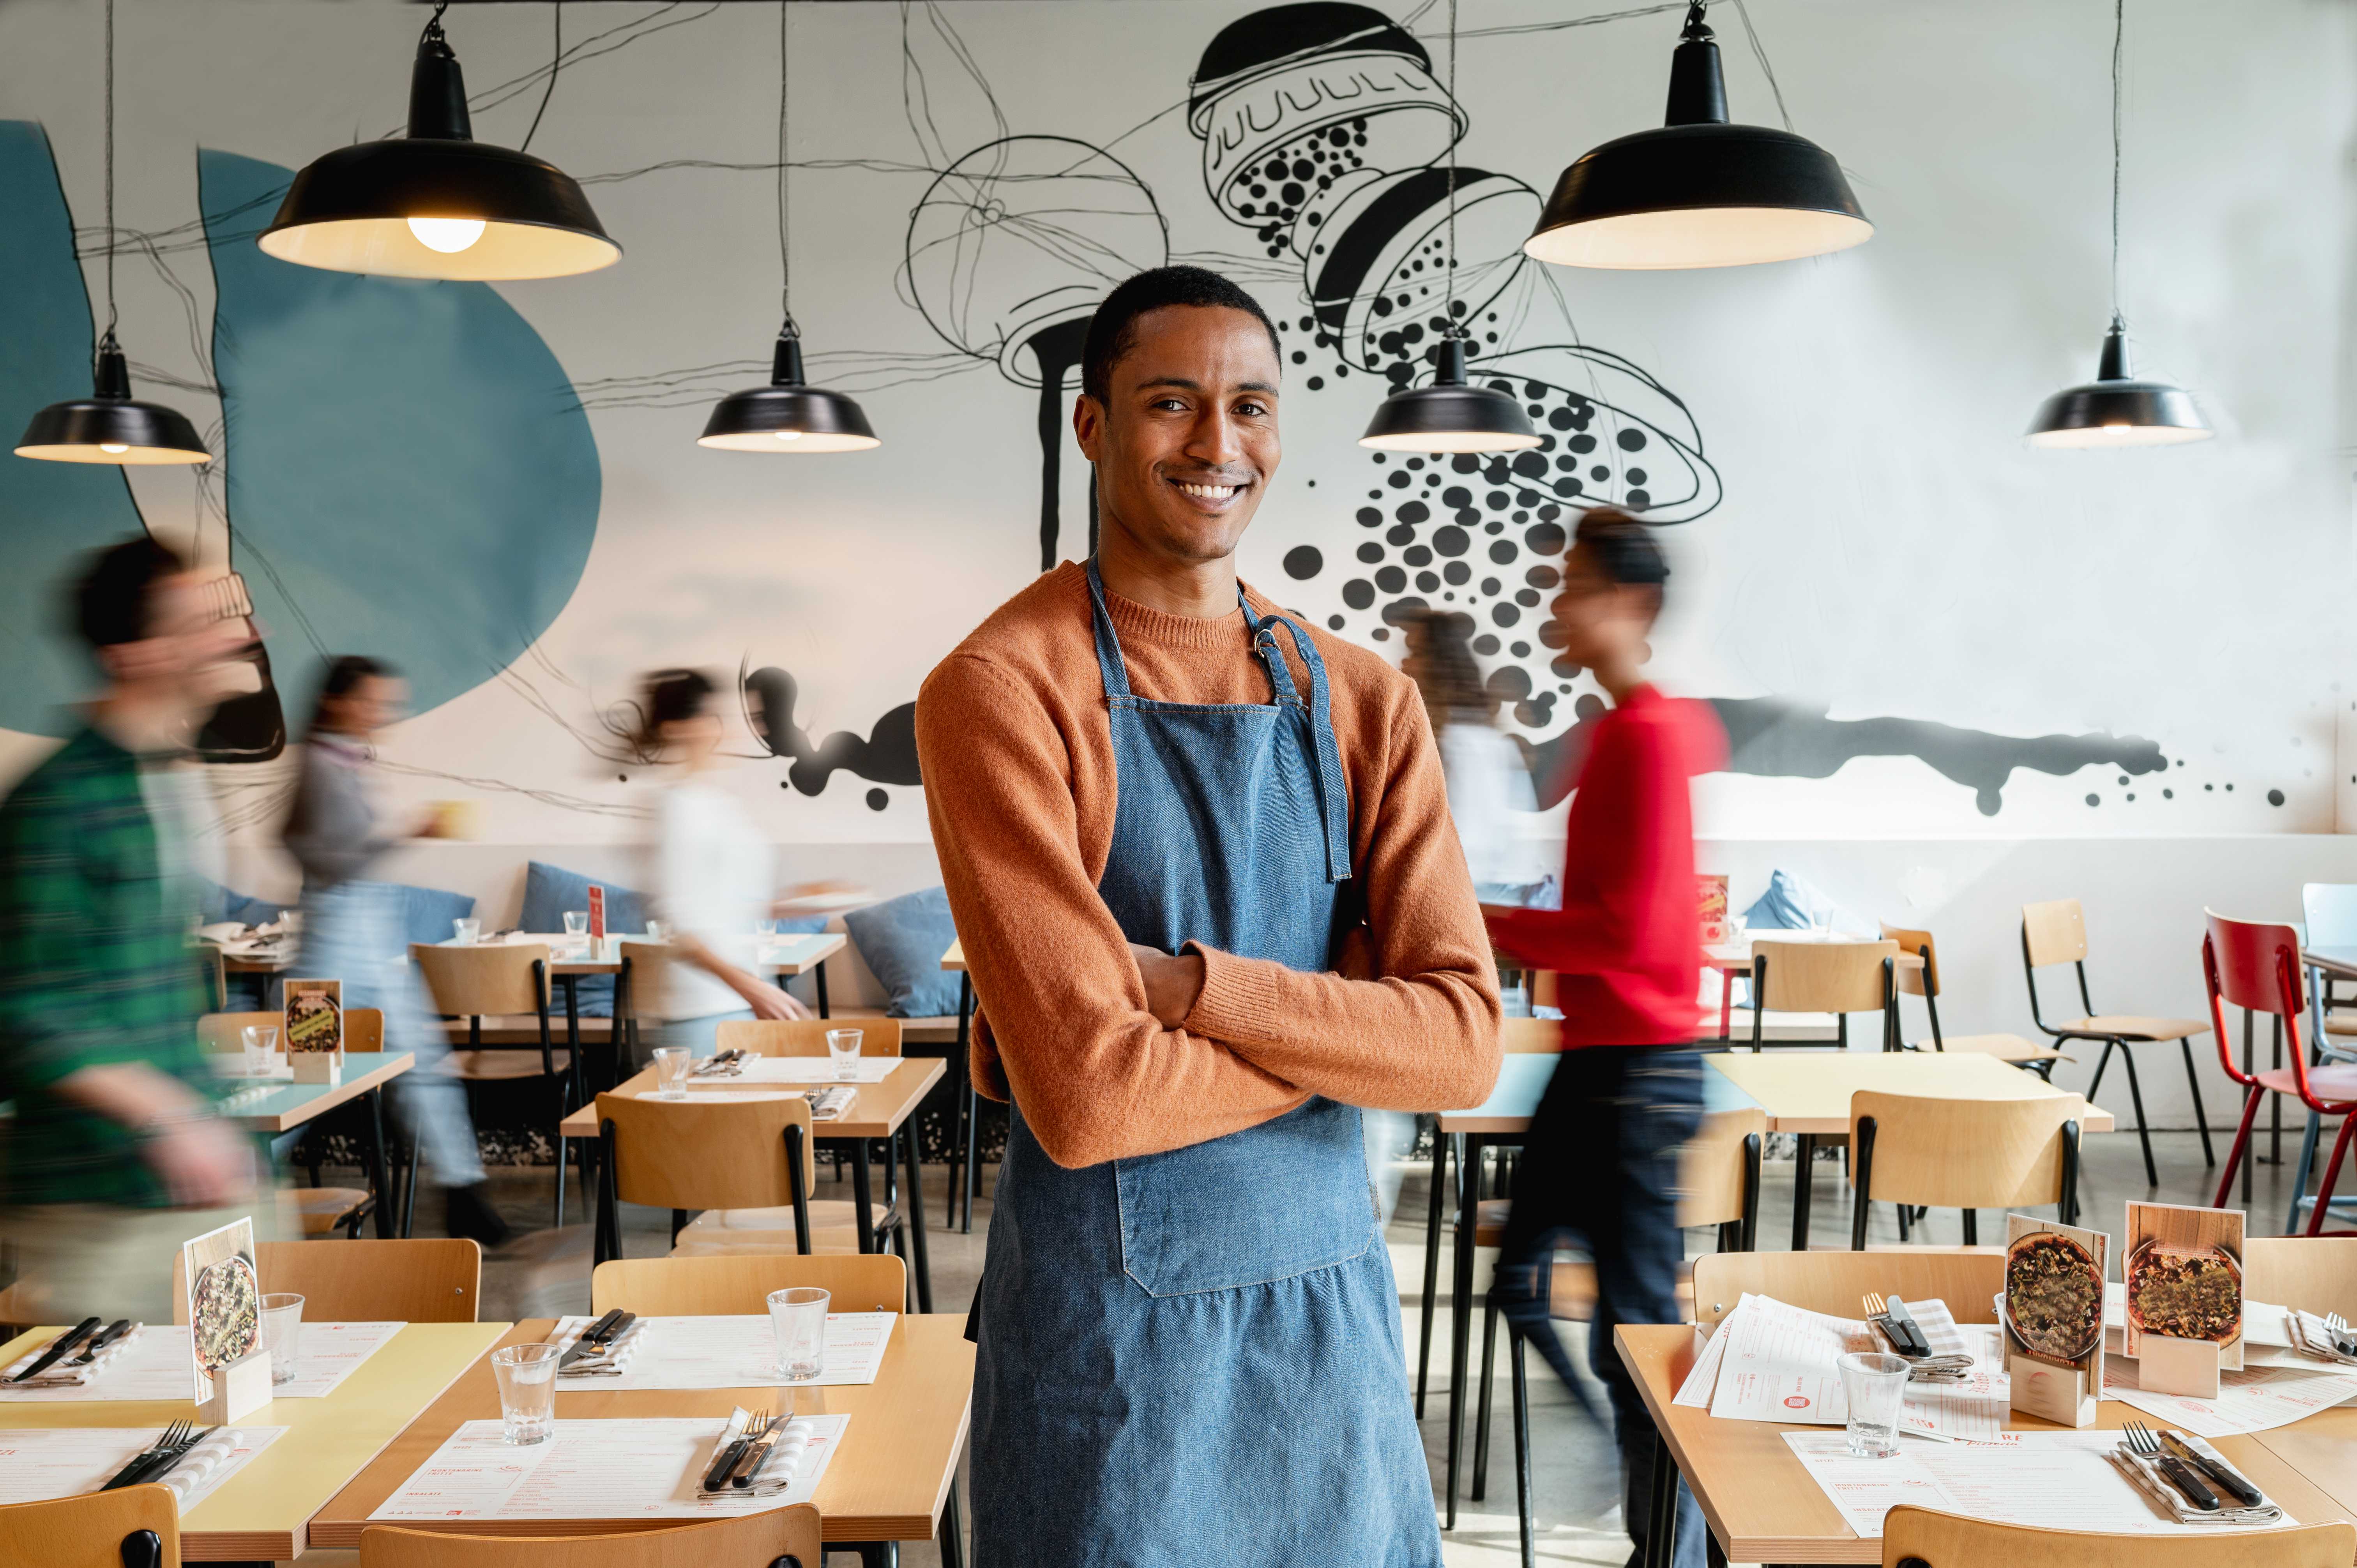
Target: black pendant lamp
x=787 y=416
x=2116 y=408
x=1698 y=192
x=1451 y=415
x=437 y=203
x=111 y=426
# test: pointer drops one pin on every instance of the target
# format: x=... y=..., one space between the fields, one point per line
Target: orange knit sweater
x=1018 y=768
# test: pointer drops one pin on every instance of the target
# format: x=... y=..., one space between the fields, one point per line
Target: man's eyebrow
x=1184 y=383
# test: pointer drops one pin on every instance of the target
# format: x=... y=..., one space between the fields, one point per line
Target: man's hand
x=1171 y=984
x=773 y=1003
x=202 y=1163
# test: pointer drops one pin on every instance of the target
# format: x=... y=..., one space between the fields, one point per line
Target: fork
x=715 y=1479
x=1875 y=1306
x=2338 y=1328
x=163 y=1465
x=2181 y=1475
x=171 y=1437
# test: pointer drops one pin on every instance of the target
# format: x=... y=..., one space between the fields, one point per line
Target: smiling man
x=1202 y=868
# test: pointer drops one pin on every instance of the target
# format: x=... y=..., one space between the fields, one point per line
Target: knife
x=167 y=1462
x=2244 y=1493
x=58 y=1346
x=605 y=1346
x=2180 y=1476
x=757 y=1455
x=115 y=1331
x=1898 y=1318
x=593 y=1338
x=717 y=1477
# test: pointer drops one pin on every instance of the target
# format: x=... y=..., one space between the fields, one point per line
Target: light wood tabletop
x=1808 y=1092
x=876 y=1111
x=289 y=1105
x=265 y=1511
x=2323 y=1448
x=791 y=954
x=888 y=1482
x=954 y=960
x=1763 y=1506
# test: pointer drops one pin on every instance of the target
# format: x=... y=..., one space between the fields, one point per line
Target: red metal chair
x=2256 y=966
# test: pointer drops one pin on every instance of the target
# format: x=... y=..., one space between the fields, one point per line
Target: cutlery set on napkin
x=756 y=1456
x=721 y=1064
x=604 y=1348
x=75 y=1356
x=2325 y=1338
x=181 y=1452
x=2190 y=1479
x=1910 y=1343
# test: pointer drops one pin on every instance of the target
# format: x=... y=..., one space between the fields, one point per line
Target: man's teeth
x=1208 y=492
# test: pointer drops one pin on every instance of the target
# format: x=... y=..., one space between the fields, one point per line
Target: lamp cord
x=555 y=64
x=109 y=171
x=2119 y=33
x=785 y=198
x=1449 y=282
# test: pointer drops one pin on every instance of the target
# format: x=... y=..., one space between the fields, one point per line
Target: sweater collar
x=1133 y=620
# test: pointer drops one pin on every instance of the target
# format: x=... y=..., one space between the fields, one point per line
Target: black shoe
x=472 y=1215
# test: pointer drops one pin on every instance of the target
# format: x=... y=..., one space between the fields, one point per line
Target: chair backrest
x=2315 y=1273
x=1716 y=1171
x=2254 y=965
x=88 y=1531
x=2330 y=911
x=1924 y=982
x=715 y=1152
x=756 y=1540
x=1823 y=977
x=484 y=981
x=2054 y=932
x=1964 y=1154
x=429 y=1279
x=647 y=966
x=225 y=1032
x=807 y=1036
x=1966 y=1278
x=1918 y=1538
x=740 y=1284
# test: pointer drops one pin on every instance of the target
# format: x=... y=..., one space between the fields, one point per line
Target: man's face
x=189 y=653
x=1187 y=440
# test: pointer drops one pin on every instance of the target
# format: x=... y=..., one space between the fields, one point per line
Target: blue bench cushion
x=549 y=890
x=902 y=940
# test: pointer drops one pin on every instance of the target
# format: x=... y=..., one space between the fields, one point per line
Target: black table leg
x=915 y=1207
x=860 y=1194
x=1804 y=1174
x=952 y=1530
x=378 y=1181
x=820 y=979
x=1661 y=1539
x=1431 y=1261
x=961 y=1157
x=1460 y=1321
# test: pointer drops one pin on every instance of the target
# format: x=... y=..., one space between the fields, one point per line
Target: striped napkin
x=2148 y=1478
x=64 y=1374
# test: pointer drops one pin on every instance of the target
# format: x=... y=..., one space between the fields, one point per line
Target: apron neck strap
x=1109 y=665
x=1333 y=801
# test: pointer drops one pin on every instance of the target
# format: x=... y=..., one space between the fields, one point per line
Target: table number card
x=597 y=916
x=2183 y=1268
x=2053 y=1313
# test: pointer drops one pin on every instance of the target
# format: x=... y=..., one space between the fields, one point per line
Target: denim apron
x=1195 y=1357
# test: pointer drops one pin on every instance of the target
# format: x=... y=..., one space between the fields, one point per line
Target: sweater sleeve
x=330 y=833
x=1627 y=779
x=1098 y=1078
x=1420 y=1033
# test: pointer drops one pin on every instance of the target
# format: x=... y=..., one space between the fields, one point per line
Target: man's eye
x=1252 y=409
x=1172 y=402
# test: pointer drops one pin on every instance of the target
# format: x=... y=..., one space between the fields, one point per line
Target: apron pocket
x=1283 y=1198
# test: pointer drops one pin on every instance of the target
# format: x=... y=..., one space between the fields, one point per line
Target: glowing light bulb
x=787 y=435
x=2119 y=424
x=113 y=448
x=448 y=235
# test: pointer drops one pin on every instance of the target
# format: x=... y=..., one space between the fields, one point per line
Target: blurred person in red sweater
x=1600 y=1164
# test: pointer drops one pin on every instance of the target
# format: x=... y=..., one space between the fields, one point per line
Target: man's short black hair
x=111 y=601
x=1113 y=331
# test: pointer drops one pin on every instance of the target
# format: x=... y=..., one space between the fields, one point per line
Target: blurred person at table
x=710 y=871
x=1489 y=794
x=355 y=927
x=1600 y=1162
x=115 y=1157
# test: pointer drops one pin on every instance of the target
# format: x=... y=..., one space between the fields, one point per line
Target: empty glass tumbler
x=1875 y=1387
x=843 y=1050
x=798 y=1317
x=527 y=1379
x=670 y=1063
x=282 y=1332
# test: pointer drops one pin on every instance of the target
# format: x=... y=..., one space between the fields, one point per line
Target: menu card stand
x=2060 y=1394
x=2058 y=1382
x=238 y=1390
x=317 y=1067
x=2187 y=1366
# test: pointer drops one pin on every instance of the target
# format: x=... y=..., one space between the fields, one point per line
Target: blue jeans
x=1600 y=1167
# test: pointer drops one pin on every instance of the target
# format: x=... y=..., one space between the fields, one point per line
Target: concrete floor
x=546 y=1272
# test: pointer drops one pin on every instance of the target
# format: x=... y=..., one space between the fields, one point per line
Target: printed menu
x=1771 y=1361
x=2252 y=1400
x=734 y=1352
x=601 y=1470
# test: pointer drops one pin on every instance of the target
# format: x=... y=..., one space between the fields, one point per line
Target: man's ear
x=1088 y=424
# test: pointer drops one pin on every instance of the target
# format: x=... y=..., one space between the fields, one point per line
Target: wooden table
x=1762 y=1506
x=884 y=1109
x=2323 y=1449
x=891 y=1480
x=280 y=1114
x=266 y=1510
x=1807 y=1093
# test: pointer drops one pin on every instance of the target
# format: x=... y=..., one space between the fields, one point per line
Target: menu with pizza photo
x=222 y=1287
x=314 y=1016
x=2183 y=1270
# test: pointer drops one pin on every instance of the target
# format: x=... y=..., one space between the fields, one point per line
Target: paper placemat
x=2252 y=1400
x=1771 y=1361
x=733 y=1353
x=2050 y=1480
x=810 y=1070
x=597 y=1469
x=66 y=1461
x=156 y=1365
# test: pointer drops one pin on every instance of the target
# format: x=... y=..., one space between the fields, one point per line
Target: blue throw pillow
x=549 y=890
x=428 y=913
x=216 y=903
x=902 y=940
x=1789 y=903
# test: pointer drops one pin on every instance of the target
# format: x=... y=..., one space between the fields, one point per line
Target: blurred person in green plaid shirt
x=114 y=1157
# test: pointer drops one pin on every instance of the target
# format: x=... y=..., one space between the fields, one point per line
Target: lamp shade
x=2116 y=408
x=1449 y=415
x=1698 y=192
x=787 y=416
x=109 y=425
x=437 y=203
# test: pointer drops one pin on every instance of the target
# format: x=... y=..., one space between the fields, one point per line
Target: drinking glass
x=798 y=1317
x=527 y=1379
x=658 y=930
x=282 y=1326
x=261 y=1045
x=1875 y=1387
x=843 y=1049
x=765 y=932
x=470 y=931
x=670 y=1063
x=576 y=923
x=1821 y=921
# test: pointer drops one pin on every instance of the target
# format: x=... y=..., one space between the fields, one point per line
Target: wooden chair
x=2256 y=966
x=643 y=990
x=747 y=1162
x=323 y=1210
x=493 y=981
x=807 y=1036
x=1918 y=1538
x=1966 y=1278
x=781 y=1538
x=430 y=1279
x=740 y=1286
x=1839 y=978
x=2331 y=908
x=2056 y=932
x=1718 y=1184
x=1926 y=1152
x=137 y=1527
x=2315 y=1273
x=1925 y=982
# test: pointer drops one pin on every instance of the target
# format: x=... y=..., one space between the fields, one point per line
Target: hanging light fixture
x=787 y=416
x=1698 y=192
x=1451 y=415
x=2116 y=408
x=111 y=426
x=437 y=203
